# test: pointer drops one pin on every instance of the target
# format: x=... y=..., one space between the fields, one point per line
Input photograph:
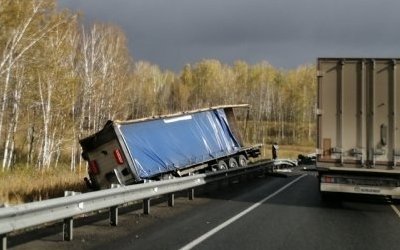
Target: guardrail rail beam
x=74 y=204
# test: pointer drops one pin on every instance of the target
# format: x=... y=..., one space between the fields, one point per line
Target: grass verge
x=287 y=151
x=24 y=185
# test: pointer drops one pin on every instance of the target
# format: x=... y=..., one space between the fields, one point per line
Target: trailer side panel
x=164 y=145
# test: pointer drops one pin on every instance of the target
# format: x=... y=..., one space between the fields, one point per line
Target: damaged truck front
x=168 y=146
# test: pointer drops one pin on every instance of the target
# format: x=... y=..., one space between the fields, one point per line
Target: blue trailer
x=129 y=152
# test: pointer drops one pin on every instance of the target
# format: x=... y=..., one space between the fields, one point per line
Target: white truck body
x=358 y=139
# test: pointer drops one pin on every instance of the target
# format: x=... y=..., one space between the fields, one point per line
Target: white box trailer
x=358 y=124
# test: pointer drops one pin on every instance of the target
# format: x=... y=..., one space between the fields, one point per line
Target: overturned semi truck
x=129 y=152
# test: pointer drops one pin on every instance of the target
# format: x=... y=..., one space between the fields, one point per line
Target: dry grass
x=27 y=185
x=287 y=151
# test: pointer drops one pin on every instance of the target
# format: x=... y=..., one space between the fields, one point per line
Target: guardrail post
x=220 y=184
x=68 y=228
x=68 y=225
x=114 y=216
x=114 y=210
x=171 y=200
x=230 y=181
x=3 y=241
x=146 y=206
x=191 y=194
x=250 y=176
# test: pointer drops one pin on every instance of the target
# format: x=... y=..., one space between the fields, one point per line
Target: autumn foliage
x=61 y=81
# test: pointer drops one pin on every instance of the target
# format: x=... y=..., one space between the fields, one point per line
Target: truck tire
x=232 y=163
x=242 y=161
x=222 y=165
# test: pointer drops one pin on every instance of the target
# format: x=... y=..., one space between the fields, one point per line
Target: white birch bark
x=45 y=104
x=8 y=154
x=17 y=46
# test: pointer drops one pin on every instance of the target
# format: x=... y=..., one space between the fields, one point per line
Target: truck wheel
x=232 y=163
x=222 y=165
x=242 y=160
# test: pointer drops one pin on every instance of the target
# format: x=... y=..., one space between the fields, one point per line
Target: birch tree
x=8 y=154
x=22 y=38
x=104 y=72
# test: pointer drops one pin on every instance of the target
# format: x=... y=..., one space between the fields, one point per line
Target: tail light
x=328 y=179
x=94 y=167
x=118 y=157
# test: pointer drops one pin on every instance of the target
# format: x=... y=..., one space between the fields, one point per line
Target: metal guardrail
x=36 y=213
x=65 y=208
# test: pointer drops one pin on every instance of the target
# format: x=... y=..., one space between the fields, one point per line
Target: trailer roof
x=183 y=113
x=107 y=132
x=358 y=58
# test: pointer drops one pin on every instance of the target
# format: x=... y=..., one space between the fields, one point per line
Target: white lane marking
x=236 y=217
x=395 y=210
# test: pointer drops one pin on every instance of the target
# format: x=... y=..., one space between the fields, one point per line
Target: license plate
x=368 y=190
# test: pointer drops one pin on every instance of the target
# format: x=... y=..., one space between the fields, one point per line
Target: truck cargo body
x=133 y=151
x=358 y=125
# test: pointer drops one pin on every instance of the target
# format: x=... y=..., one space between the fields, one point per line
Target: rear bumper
x=359 y=189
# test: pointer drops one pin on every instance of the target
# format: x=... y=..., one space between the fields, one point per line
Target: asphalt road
x=259 y=213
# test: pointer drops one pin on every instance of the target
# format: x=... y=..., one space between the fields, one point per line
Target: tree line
x=61 y=81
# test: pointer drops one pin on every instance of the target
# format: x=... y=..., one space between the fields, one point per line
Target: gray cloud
x=285 y=33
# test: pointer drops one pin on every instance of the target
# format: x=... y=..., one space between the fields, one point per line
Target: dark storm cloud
x=286 y=33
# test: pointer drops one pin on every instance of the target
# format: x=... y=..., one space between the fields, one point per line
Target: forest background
x=60 y=81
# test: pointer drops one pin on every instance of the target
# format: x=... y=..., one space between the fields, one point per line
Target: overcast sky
x=286 y=33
